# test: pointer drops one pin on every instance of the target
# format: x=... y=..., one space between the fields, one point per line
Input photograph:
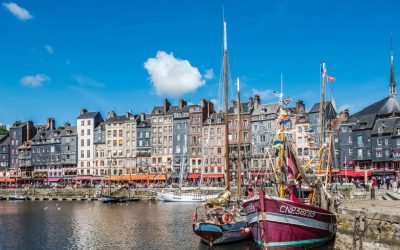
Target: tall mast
x=226 y=109
x=239 y=167
x=322 y=104
x=281 y=137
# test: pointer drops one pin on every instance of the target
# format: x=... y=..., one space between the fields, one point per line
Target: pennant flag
x=331 y=79
x=286 y=101
x=283 y=112
x=284 y=120
x=277 y=142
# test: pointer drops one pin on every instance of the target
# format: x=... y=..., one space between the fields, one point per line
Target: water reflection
x=93 y=225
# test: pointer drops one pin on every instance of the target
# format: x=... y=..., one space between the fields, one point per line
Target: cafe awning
x=353 y=173
x=53 y=179
x=7 y=180
x=139 y=177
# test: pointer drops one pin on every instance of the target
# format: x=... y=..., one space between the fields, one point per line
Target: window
x=219 y=131
x=350 y=151
x=82 y=123
x=300 y=151
x=82 y=142
x=89 y=122
x=386 y=141
x=360 y=152
x=379 y=141
x=178 y=137
x=82 y=132
x=344 y=129
x=378 y=152
x=88 y=142
x=88 y=154
x=299 y=129
x=82 y=154
x=350 y=139
x=88 y=132
x=178 y=149
x=178 y=125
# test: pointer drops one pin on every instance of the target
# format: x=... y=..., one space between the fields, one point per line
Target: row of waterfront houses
x=187 y=140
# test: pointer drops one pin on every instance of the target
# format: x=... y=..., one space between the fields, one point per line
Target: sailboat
x=181 y=196
x=287 y=221
x=17 y=196
x=112 y=198
x=218 y=221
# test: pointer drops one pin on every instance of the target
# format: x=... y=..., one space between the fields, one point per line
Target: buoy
x=45 y=208
x=59 y=208
x=247 y=230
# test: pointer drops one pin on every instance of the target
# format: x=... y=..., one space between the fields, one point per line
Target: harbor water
x=94 y=225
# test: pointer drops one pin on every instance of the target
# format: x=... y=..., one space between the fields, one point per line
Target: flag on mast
x=331 y=79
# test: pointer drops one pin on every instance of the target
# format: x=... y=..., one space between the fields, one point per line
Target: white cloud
x=218 y=104
x=264 y=94
x=172 y=76
x=49 y=49
x=21 y=13
x=87 y=81
x=345 y=106
x=209 y=74
x=34 y=81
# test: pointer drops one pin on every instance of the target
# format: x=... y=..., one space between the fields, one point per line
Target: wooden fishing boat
x=221 y=222
x=277 y=222
x=220 y=226
x=113 y=199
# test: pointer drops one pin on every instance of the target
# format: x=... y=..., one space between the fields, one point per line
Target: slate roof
x=88 y=115
x=244 y=108
x=213 y=119
x=385 y=106
x=120 y=118
x=72 y=130
x=5 y=142
x=316 y=106
x=3 y=138
x=271 y=108
x=387 y=124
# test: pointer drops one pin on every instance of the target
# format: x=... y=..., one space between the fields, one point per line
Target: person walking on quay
x=395 y=185
x=374 y=182
x=378 y=182
x=387 y=179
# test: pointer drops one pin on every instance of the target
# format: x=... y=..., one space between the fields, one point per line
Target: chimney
x=182 y=103
x=257 y=100
x=83 y=110
x=251 y=102
x=300 y=107
x=166 y=106
x=110 y=114
x=128 y=114
x=29 y=130
x=51 y=124
x=67 y=125
x=142 y=117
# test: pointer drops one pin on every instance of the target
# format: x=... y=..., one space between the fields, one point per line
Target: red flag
x=331 y=79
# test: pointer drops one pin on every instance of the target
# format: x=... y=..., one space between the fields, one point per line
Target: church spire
x=392 y=85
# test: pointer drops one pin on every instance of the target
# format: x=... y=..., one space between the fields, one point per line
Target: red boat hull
x=281 y=223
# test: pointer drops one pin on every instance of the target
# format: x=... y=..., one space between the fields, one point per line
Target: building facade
x=86 y=122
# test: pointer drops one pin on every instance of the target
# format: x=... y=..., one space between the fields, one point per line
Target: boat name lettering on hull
x=297 y=211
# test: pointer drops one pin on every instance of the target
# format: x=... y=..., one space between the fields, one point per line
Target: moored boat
x=17 y=197
x=219 y=225
x=278 y=222
x=113 y=199
x=178 y=196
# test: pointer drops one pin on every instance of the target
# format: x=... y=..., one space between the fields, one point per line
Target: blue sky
x=59 y=56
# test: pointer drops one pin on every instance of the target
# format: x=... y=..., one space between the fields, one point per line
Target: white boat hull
x=189 y=197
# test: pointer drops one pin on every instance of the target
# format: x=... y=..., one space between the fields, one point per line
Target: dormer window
x=380 y=129
x=398 y=131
